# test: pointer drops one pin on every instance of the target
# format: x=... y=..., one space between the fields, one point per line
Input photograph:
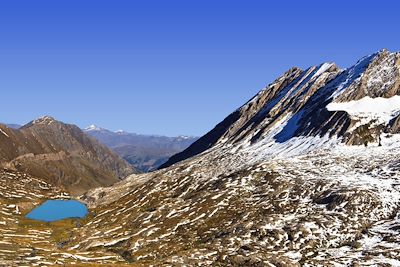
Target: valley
x=303 y=174
x=144 y=152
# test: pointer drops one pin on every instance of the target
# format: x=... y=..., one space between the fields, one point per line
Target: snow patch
x=324 y=67
x=369 y=109
x=93 y=127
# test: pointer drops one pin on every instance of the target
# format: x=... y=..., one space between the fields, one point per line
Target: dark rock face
x=61 y=154
x=394 y=125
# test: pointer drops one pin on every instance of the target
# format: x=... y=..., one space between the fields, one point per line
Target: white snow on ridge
x=382 y=109
x=353 y=74
x=93 y=128
x=324 y=67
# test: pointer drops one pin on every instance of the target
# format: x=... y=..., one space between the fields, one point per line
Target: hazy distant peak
x=93 y=127
x=185 y=137
x=121 y=132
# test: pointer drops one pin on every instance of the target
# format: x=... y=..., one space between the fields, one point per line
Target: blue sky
x=171 y=67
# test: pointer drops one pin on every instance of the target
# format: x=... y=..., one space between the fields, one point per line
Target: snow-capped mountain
x=306 y=173
x=93 y=127
x=144 y=152
x=295 y=177
x=322 y=101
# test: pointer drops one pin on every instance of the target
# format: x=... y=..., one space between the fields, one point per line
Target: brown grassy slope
x=61 y=154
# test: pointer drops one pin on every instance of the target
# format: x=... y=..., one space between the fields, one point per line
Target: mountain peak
x=93 y=127
x=120 y=132
x=296 y=105
x=384 y=51
x=44 y=120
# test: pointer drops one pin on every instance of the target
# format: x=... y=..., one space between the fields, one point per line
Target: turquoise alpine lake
x=55 y=210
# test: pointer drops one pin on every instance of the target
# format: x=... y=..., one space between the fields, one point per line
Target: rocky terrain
x=144 y=152
x=306 y=173
x=24 y=242
x=319 y=209
x=60 y=154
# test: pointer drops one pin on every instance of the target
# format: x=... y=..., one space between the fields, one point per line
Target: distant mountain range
x=144 y=152
x=61 y=154
x=13 y=126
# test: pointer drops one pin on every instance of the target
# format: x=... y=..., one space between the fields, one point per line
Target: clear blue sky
x=171 y=67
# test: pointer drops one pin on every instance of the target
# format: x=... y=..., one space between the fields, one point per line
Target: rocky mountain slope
x=299 y=99
x=306 y=173
x=144 y=152
x=61 y=154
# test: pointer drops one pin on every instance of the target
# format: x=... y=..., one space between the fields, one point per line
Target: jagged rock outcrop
x=381 y=78
x=299 y=99
x=60 y=154
x=394 y=125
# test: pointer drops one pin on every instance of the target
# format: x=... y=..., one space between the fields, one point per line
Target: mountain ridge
x=306 y=173
x=285 y=181
x=61 y=154
x=305 y=94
